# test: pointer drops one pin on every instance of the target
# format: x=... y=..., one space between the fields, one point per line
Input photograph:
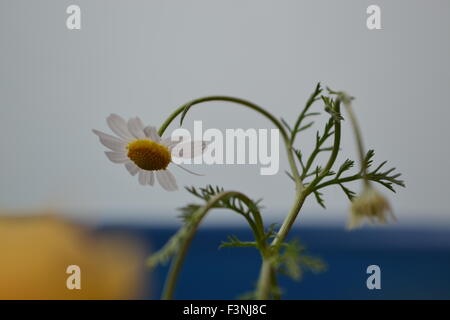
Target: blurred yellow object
x=35 y=253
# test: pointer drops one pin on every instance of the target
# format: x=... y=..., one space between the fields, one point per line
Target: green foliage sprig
x=310 y=178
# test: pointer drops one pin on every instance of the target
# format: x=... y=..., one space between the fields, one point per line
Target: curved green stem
x=358 y=137
x=300 y=197
x=267 y=274
x=177 y=262
x=175 y=268
x=184 y=108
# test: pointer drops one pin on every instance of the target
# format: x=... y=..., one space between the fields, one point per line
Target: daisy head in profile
x=371 y=206
x=142 y=151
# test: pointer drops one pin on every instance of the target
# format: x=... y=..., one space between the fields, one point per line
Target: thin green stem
x=175 y=268
x=267 y=274
x=264 y=283
x=358 y=136
x=188 y=105
x=290 y=219
x=184 y=108
x=177 y=262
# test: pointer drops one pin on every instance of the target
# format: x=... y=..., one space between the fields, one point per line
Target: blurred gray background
x=145 y=58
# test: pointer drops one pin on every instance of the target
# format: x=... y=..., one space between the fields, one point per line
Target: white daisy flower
x=142 y=151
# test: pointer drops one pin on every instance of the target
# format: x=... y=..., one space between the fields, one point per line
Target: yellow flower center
x=149 y=155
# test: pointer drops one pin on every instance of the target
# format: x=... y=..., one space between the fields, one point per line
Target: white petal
x=111 y=142
x=144 y=177
x=140 y=123
x=152 y=133
x=119 y=126
x=136 y=128
x=132 y=168
x=166 y=180
x=147 y=177
x=117 y=157
x=152 y=178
